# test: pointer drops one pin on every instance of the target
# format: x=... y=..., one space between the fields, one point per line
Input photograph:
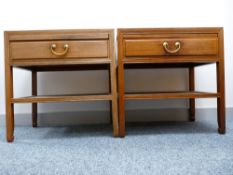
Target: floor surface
x=148 y=149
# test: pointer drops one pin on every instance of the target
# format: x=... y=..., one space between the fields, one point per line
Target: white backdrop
x=74 y=14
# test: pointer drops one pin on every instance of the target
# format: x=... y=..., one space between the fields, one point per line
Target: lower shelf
x=61 y=98
x=127 y=96
x=170 y=95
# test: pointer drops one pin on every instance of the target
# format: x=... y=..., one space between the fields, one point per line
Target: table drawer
x=57 y=49
x=171 y=46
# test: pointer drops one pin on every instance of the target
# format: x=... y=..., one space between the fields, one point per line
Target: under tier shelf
x=169 y=95
x=61 y=98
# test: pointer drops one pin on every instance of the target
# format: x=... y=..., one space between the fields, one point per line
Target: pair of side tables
x=66 y=50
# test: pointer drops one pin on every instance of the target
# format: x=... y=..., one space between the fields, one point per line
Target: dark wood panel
x=162 y=65
x=74 y=67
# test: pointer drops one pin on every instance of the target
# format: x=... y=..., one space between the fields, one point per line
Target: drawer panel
x=42 y=49
x=188 y=46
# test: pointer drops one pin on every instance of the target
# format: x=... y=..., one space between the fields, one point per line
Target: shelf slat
x=61 y=98
x=170 y=95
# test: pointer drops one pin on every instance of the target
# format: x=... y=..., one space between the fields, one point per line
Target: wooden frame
x=146 y=56
x=49 y=62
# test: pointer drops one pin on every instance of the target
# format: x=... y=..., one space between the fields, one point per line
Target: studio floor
x=174 y=148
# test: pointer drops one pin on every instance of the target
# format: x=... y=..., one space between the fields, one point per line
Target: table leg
x=221 y=99
x=34 y=93
x=110 y=90
x=191 y=88
x=9 y=104
x=121 y=99
x=114 y=100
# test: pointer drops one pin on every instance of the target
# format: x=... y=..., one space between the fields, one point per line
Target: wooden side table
x=171 y=48
x=58 y=50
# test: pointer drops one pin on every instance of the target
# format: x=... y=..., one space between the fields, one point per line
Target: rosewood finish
x=171 y=48
x=58 y=50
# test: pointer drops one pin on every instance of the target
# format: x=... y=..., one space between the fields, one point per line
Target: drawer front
x=43 y=50
x=174 y=46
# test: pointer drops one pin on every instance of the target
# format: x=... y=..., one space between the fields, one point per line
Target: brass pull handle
x=54 y=46
x=177 y=44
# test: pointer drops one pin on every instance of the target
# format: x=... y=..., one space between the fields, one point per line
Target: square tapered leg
x=34 y=93
x=121 y=100
x=191 y=88
x=221 y=98
x=9 y=104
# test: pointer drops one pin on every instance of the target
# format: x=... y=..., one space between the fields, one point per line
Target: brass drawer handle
x=54 y=46
x=177 y=44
